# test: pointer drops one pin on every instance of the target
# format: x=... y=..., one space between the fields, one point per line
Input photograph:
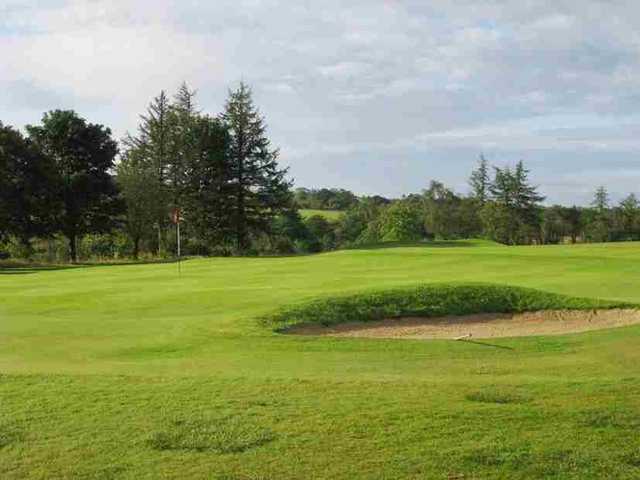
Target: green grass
x=132 y=372
x=328 y=214
x=428 y=301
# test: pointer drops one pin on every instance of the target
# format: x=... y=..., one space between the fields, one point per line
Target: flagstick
x=178 y=233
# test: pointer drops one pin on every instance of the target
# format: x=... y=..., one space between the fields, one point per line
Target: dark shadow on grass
x=486 y=344
x=15 y=268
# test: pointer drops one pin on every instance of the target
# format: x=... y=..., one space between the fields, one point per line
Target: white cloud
x=360 y=80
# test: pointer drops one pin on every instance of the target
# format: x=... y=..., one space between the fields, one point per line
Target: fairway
x=136 y=372
x=327 y=214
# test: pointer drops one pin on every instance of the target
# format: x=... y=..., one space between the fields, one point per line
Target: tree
x=401 y=221
x=321 y=233
x=480 y=181
x=573 y=219
x=355 y=222
x=83 y=154
x=261 y=190
x=183 y=143
x=208 y=186
x=629 y=213
x=599 y=224
x=141 y=189
x=554 y=227
x=28 y=206
x=601 y=200
x=152 y=149
x=516 y=207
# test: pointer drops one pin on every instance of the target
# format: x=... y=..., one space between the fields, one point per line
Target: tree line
x=219 y=174
x=69 y=190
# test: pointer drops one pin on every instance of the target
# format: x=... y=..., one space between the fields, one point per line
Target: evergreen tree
x=515 y=204
x=151 y=148
x=208 y=188
x=261 y=190
x=183 y=143
x=601 y=201
x=599 y=224
x=83 y=154
x=480 y=181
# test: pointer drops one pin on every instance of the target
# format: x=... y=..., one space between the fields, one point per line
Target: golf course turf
x=135 y=372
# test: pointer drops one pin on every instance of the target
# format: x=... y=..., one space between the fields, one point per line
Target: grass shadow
x=487 y=344
x=420 y=243
x=23 y=268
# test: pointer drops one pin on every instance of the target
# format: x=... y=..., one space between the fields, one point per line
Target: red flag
x=175 y=215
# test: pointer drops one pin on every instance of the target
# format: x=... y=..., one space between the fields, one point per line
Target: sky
x=376 y=96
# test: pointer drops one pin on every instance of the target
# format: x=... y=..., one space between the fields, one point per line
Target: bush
x=401 y=221
x=427 y=301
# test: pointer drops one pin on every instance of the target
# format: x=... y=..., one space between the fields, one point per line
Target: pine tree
x=209 y=189
x=151 y=148
x=515 y=205
x=601 y=200
x=261 y=190
x=526 y=197
x=480 y=181
x=183 y=143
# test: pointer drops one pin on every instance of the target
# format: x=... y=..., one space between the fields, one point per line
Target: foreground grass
x=133 y=372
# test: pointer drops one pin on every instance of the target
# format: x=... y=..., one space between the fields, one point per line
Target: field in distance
x=328 y=214
x=136 y=372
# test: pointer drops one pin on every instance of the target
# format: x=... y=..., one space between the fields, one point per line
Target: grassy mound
x=431 y=300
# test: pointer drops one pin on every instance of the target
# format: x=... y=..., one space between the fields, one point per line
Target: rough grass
x=500 y=395
x=10 y=433
x=428 y=301
x=221 y=435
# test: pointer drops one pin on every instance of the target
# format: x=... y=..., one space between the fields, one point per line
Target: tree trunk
x=241 y=232
x=136 y=247
x=73 y=250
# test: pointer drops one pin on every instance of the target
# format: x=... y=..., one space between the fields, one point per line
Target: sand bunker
x=484 y=325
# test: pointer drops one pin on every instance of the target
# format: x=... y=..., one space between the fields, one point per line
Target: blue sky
x=378 y=96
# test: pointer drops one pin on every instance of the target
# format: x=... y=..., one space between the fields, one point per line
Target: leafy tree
x=28 y=205
x=400 y=221
x=360 y=220
x=83 y=154
x=500 y=222
x=573 y=220
x=321 y=232
x=261 y=190
x=628 y=213
x=554 y=226
x=443 y=212
x=141 y=189
x=325 y=198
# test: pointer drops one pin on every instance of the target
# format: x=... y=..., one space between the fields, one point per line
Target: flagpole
x=178 y=234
